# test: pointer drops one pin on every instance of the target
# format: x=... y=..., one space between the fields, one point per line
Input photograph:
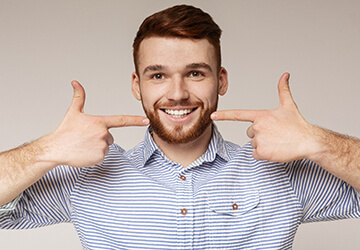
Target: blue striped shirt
x=224 y=200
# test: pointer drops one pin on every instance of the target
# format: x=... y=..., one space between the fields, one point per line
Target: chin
x=178 y=134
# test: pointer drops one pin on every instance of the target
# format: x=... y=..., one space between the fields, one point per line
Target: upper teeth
x=177 y=113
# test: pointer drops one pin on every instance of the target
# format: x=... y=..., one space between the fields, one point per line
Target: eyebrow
x=199 y=66
x=155 y=67
x=159 y=67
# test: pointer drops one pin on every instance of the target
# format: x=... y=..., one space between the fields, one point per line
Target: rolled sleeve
x=46 y=202
x=10 y=206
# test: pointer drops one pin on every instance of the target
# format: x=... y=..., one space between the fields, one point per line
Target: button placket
x=185 y=209
x=184 y=193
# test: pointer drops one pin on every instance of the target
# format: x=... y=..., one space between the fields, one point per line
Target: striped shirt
x=139 y=199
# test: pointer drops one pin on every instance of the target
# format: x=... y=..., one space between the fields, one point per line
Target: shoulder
x=236 y=151
x=119 y=156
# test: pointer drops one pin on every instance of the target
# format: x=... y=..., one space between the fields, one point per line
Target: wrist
x=316 y=146
x=46 y=156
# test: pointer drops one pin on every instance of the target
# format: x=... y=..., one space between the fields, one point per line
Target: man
x=183 y=186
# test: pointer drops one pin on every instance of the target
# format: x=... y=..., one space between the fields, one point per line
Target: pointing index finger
x=235 y=115
x=125 y=121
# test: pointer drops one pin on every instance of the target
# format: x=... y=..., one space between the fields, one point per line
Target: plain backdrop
x=46 y=44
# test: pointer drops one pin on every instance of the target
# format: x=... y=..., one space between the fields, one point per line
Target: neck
x=185 y=153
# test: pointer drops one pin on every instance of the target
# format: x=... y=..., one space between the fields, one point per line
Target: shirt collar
x=216 y=147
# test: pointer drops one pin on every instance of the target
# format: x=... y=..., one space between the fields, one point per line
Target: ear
x=223 y=81
x=135 y=86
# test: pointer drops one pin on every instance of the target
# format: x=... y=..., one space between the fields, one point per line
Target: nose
x=178 y=90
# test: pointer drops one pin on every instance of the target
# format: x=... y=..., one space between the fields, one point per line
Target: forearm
x=338 y=154
x=21 y=167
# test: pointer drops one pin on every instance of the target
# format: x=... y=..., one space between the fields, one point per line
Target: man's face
x=178 y=84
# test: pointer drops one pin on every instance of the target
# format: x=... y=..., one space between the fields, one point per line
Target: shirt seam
x=291 y=187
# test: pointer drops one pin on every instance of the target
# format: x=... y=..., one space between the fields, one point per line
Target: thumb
x=284 y=90
x=78 y=100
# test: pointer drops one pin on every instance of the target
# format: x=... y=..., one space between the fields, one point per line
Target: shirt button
x=235 y=206
x=182 y=177
x=184 y=211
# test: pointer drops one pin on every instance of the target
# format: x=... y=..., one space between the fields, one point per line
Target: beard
x=178 y=134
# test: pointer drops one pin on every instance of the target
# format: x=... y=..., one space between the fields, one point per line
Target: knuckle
x=103 y=145
x=98 y=121
x=255 y=155
x=103 y=134
x=257 y=127
x=249 y=132
x=110 y=140
x=238 y=115
x=263 y=154
x=106 y=151
x=122 y=120
x=98 y=162
x=99 y=158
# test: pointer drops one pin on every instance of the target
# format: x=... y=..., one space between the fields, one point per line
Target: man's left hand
x=281 y=134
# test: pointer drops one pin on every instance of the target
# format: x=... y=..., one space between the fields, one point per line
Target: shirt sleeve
x=10 y=206
x=323 y=196
x=46 y=202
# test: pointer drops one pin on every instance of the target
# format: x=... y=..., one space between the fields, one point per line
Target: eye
x=196 y=74
x=157 y=76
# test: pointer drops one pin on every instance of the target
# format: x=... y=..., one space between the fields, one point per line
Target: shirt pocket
x=234 y=216
x=233 y=201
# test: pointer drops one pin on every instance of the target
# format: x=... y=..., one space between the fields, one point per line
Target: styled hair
x=182 y=21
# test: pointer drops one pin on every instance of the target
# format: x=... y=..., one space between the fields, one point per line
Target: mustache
x=178 y=103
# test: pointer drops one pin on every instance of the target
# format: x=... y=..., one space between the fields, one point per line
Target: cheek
x=149 y=95
x=208 y=97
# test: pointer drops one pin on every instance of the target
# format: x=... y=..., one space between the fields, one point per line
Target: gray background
x=46 y=44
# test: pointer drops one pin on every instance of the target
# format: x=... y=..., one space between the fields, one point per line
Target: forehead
x=175 y=52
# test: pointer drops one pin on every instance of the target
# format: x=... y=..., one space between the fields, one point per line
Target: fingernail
x=213 y=116
x=146 y=121
x=287 y=77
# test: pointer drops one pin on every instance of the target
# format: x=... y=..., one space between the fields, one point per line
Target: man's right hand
x=83 y=140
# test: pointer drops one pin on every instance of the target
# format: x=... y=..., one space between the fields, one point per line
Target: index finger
x=236 y=115
x=116 y=121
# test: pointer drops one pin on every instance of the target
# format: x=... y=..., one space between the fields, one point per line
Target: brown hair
x=181 y=21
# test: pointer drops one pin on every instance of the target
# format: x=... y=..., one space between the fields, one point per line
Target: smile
x=178 y=113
